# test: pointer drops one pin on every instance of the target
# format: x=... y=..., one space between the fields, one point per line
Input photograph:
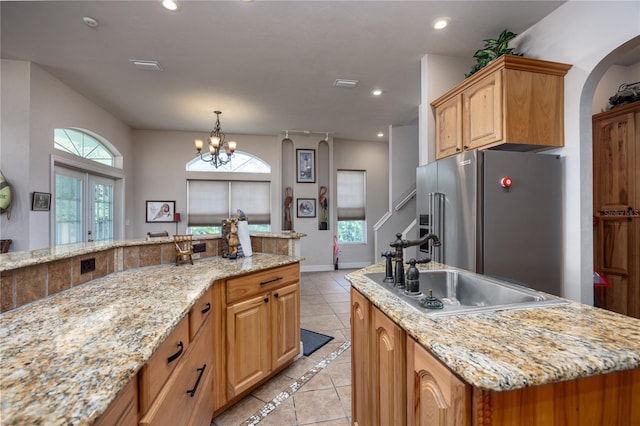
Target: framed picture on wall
x=41 y=201
x=306 y=207
x=305 y=165
x=160 y=211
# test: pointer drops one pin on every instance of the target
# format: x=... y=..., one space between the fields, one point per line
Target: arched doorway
x=615 y=150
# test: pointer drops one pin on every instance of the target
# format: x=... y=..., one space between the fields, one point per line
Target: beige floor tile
x=310 y=299
x=337 y=297
x=313 y=309
x=341 y=307
x=299 y=367
x=320 y=323
x=337 y=422
x=318 y=406
x=283 y=415
x=344 y=393
x=273 y=387
x=239 y=412
x=345 y=319
x=322 y=353
x=340 y=373
x=322 y=380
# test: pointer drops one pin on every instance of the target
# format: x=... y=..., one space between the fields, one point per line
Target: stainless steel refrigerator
x=497 y=213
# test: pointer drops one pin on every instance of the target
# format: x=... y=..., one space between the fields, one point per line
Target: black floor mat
x=312 y=341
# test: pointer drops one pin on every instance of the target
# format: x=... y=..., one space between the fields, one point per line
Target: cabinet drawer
x=199 y=313
x=178 y=403
x=260 y=282
x=155 y=372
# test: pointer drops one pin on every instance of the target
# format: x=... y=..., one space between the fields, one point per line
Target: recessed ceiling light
x=440 y=23
x=380 y=134
x=343 y=82
x=170 y=5
x=376 y=92
x=145 y=65
x=90 y=22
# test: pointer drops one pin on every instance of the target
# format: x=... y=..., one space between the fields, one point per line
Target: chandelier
x=220 y=151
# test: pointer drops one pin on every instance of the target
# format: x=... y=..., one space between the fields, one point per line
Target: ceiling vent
x=349 y=84
x=146 y=65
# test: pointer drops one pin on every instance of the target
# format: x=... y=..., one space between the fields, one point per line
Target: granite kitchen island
x=494 y=357
x=67 y=356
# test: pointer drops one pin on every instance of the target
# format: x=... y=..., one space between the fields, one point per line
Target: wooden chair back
x=184 y=248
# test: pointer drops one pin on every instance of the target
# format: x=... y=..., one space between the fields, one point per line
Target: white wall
x=29 y=142
x=372 y=157
x=15 y=150
x=610 y=82
x=438 y=75
x=582 y=34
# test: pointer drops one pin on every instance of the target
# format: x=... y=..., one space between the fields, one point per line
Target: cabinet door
x=435 y=396
x=483 y=116
x=248 y=356
x=360 y=330
x=449 y=127
x=285 y=320
x=616 y=171
x=387 y=371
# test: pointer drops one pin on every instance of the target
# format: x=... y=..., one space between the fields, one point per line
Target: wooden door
x=482 y=120
x=285 y=323
x=248 y=356
x=449 y=127
x=360 y=330
x=616 y=196
x=388 y=371
x=435 y=396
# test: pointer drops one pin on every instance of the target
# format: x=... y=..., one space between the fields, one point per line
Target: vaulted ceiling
x=267 y=65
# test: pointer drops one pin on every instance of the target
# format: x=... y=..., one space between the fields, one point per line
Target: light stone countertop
x=66 y=357
x=21 y=259
x=513 y=349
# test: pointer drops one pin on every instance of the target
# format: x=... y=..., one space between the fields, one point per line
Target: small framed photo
x=160 y=211
x=41 y=201
x=306 y=207
x=305 y=165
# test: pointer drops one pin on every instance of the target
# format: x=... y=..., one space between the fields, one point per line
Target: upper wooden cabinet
x=514 y=100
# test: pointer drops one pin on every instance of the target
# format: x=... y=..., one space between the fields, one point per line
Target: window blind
x=211 y=201
x=351 y=195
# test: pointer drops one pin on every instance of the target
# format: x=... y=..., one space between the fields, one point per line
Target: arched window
x=83 y=145
x=252 y=196
x=241 y=162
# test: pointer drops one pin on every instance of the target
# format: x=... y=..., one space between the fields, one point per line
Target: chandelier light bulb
x=232 y=145
x=199 y=144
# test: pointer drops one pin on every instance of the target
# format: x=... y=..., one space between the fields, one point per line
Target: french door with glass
x=84 y=206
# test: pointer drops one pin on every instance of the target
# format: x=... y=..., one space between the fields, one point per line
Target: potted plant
x=493 y=48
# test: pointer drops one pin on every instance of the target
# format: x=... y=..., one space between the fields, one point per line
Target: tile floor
x=314 y=390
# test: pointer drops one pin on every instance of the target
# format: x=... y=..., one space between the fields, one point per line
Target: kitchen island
x=66 y=357
x=532 y=366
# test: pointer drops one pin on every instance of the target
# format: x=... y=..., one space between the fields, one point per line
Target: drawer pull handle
x=192 y=392
x=207 y=309
x=177 y=354
x=266 y=300
x=271 y=281
x=276 y=295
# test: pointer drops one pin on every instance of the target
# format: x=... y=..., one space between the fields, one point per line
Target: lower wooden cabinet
x=396 y=381
x=176 y=385
x=378 y=366
x=435 y=396
x=262 y=332
x=238 y=334
x=123 y=411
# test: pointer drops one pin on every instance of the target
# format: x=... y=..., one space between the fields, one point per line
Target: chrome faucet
x=399 y=244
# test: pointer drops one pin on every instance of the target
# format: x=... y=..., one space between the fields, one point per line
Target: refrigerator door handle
x=436 y=216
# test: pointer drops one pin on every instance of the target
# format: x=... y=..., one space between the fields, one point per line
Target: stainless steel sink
x=464 y=292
